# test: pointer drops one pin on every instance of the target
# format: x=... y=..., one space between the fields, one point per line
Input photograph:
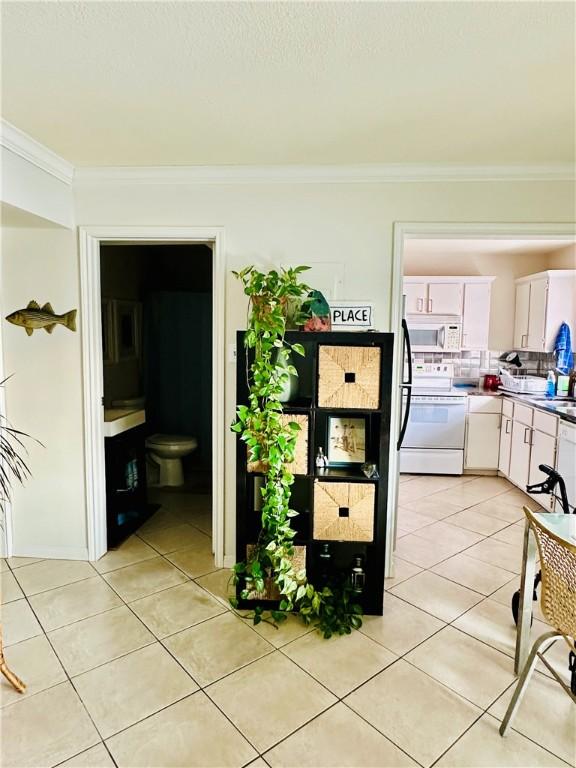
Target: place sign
x=351 y=315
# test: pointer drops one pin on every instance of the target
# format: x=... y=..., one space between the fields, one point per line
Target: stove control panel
x=434 y=370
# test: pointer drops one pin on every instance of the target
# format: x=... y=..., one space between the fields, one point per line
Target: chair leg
x=541 y=644
x=13 y=679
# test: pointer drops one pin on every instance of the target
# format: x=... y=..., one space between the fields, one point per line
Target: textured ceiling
x=171 y=83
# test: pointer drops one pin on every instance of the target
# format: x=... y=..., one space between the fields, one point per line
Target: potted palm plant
x=13 y=468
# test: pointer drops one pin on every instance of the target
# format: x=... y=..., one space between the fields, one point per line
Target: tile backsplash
x=473 y=364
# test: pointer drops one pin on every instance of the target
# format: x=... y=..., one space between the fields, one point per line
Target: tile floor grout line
x=361 y=716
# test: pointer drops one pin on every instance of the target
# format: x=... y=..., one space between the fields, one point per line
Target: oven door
x=427 y=337
x=437 y=422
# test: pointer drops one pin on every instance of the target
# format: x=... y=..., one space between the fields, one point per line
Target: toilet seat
x=185 y=442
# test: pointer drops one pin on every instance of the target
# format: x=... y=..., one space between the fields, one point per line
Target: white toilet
x=167 y=451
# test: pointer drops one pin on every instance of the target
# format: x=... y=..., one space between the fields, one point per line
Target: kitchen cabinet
x=482 y=432
x=505 y=445
x=543 y=302
x=543 y=451
x=444 y=298
x=416 y=295
x=520 y=454
x=433 y=296
x=476 y=316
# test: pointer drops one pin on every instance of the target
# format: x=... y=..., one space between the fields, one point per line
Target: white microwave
x=434 y=337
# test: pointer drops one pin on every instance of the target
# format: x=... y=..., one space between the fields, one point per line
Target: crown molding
x=321 y=174
x=29 y=149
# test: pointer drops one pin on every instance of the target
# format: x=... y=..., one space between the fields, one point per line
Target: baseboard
x=482 y=472
x=229 y=561
x=53 y=553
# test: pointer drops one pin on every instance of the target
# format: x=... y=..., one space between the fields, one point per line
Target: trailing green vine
x=272 y=442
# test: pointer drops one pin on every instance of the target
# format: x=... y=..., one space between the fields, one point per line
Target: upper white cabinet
x=433 y=296
x=476 y=316
x=445 y=298
x=416 y=295
x=465 y=298
x=543 y=302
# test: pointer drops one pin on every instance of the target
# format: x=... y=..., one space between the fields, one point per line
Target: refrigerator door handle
x=408 y=388
x=408 y=349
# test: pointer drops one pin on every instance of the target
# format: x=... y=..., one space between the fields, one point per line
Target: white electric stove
x=434 y=439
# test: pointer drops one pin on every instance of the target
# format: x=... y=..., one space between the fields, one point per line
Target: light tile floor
x=138 y=660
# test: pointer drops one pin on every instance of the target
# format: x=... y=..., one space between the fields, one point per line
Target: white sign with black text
x=351 y=315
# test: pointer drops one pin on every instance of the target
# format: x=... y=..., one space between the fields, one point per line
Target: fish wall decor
x=33 y=317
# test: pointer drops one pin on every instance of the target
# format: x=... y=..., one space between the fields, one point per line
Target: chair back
x=558 y=566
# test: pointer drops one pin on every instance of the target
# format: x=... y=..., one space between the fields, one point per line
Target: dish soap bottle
x=551 y=384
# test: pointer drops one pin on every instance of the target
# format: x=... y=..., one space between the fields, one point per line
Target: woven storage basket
x=344 y=511
x=271 y=591
x=300 y=464
x=349 y=377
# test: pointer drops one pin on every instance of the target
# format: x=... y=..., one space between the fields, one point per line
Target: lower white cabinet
x=543 y=451
x=483 y=440
x=505 y=445
x=520 y=454
x=483 y=432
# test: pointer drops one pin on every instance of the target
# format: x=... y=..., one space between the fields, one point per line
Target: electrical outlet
x=232 y=353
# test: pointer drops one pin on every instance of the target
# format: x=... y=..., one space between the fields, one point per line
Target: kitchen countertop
x=550 y=405
x=118 y=420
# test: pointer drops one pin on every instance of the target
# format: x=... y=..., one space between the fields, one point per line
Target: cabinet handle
x=420 y=305
x=529 y=441
x=429 y=305
x=524 y=336
x=506 y=430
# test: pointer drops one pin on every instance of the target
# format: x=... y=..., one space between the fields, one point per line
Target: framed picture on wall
x=108 y=332
x=346 y=441
x=127 y=322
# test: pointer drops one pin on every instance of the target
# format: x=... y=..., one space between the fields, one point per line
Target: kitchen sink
x=569 y=410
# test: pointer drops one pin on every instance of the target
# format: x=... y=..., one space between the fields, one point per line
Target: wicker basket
x=300 y=464
x=271 y=591
x=344 y=511
x=349 y=377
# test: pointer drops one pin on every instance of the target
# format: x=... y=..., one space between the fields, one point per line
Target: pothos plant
x=271 y=442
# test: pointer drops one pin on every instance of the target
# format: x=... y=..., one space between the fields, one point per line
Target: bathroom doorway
x=157 y=366
x=153 y=335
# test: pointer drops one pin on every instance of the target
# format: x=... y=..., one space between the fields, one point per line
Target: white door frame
x=428 y=230
x=90 y=312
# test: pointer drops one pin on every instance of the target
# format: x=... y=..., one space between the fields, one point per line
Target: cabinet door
x=505 y=444
x=416 y=296
x=482 y=441
x=543 y=452
x=520 y=454
x=537 y=315
x=444 y=298
x=476 y=317
x=521 y=315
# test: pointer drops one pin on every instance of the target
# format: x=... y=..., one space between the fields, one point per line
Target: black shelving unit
x=377 y=434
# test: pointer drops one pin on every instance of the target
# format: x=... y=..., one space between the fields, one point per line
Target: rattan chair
x=558 y=602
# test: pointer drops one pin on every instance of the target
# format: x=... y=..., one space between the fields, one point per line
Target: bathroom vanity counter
x=118 y=420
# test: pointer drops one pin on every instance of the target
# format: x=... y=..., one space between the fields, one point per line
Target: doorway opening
x=156 y=350
x=451 y=280
x=157 y=365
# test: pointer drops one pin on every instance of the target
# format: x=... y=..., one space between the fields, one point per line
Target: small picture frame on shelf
x=346 y=441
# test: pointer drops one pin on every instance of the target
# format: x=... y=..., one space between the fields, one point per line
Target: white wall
x=349 y=223
x=44 y=397
x=563 y=258
x=506 y=267
x=306 y=223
